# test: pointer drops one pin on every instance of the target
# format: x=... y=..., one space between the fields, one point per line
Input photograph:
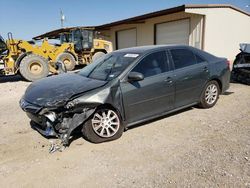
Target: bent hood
x=57 y=90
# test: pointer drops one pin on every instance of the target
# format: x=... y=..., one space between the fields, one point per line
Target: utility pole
x=62 y=18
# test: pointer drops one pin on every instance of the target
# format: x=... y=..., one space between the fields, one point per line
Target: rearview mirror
x=135 y=76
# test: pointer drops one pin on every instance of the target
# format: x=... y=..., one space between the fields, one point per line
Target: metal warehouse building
x=217 y=29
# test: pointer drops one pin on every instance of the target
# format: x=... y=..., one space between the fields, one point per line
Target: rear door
x=190 y=75
x=154 y=94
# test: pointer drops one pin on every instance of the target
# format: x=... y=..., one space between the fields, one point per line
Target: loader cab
x=82 y=38
x=65 y=38
x=3 y=46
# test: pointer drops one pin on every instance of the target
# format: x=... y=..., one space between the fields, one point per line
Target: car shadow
x=227 y=93
x=12 y=78
x=76 y=134
x=160 y=118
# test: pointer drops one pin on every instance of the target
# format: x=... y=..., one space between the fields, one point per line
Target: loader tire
x=97 y=55
x=68 y=60
x=34 y=67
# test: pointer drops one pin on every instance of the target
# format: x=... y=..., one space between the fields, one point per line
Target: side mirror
x=135 y=76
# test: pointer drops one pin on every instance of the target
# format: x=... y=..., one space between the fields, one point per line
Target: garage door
x=126 y=38
x=176 y=32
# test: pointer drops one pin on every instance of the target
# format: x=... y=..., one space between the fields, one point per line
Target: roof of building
x=141 y=18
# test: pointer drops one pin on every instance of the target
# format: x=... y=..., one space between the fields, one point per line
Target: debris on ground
x=55 y=146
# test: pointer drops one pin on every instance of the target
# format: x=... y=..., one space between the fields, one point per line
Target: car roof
x=147 y=49
x=143 y=49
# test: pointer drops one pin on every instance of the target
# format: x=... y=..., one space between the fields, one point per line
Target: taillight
x=228 y=63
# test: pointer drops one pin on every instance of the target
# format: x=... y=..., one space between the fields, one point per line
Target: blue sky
x=29 y=18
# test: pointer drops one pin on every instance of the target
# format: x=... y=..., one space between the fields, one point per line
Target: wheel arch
x=111 y=107
x=218 y=81
x=212 y=79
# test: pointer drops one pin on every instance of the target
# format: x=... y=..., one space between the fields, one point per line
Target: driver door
x=154 y=94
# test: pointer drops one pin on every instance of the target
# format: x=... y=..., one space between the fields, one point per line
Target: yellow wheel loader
x=32 y=61
x=88 y=44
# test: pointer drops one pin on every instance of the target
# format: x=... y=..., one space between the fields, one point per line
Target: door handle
x=168 y=80
x=205 y=69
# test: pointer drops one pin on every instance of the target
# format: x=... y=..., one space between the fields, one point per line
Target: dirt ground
x=192 y=148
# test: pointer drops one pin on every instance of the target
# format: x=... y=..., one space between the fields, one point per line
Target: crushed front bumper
x=42 y=125
x=60 y=124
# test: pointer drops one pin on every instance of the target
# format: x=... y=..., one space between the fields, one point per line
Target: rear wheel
x=105 y=125
x=34 y=67
x=68 y=60
x=210 y=94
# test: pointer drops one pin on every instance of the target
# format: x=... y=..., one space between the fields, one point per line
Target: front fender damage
x=74 y=122
x=62 y=121
x=60 y=125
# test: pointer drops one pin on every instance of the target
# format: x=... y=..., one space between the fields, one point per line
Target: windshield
x=109 y=66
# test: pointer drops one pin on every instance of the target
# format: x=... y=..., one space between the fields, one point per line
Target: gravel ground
x=191 y=148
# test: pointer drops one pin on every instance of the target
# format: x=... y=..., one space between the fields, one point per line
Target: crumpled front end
x=58 y=122
x=60 y=117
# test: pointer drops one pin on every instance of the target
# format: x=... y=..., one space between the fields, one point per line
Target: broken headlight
x=51 y=116
x=71 y=104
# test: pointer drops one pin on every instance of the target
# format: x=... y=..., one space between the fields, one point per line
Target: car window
x=182 y=58
x=153 y=64
x=109 y=66
x=199 y=59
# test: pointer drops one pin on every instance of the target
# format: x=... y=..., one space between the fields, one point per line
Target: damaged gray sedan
x=124 y=88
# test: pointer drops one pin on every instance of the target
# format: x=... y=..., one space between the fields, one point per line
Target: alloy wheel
x=105 y=123
x=211 y=94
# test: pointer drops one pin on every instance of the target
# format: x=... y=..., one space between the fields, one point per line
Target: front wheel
x=105 y=125
x=210 y=94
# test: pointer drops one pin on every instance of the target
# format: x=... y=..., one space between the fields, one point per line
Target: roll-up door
x=174 y=32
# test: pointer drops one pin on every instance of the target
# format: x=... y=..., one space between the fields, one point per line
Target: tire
x=210 y=94
x=68 y=59
x=97 y=55
x=34 y=67
x=102 y=128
